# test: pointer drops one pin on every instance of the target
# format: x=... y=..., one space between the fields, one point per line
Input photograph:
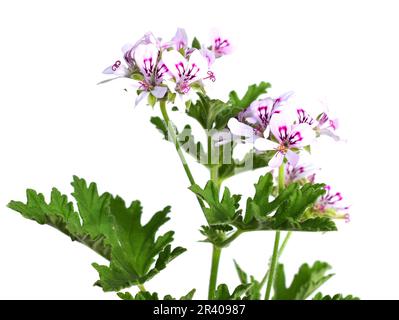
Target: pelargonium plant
x=174 y=75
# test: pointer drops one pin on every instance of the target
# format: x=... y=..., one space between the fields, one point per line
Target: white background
x=55 y=122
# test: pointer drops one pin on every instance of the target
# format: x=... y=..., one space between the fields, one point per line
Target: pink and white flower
x=322 y=125
x=221 y=46
x=154 y=71
x=289 y=138
x=331 y=205
x=178 y=42
x=254 y=121
x=304 y=117
x=327 y=126
x=185 y=71
x=301 y=172
x=125 y=66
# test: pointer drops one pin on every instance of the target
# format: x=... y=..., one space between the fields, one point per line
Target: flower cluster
x=173 y=67
x=330 y=204
x=286 y=132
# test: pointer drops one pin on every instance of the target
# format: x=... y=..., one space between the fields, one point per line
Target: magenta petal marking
x=283 y=132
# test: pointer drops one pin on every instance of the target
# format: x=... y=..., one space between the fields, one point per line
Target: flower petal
x=292 y=157
x=264 y=144
x=305 y=134
x=175 y=62
x=146 y=56
x=240 y=129
x=330 y=134
x=199 y=64
x=143 y=95
x=180 y=40
x=280 y=126
x=159 y=92
x=277 y=160
x=208 y=55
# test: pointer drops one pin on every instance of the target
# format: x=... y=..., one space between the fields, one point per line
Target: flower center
x=283 y=148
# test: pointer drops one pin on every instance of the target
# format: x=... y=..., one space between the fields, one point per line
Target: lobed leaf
x=305 y=282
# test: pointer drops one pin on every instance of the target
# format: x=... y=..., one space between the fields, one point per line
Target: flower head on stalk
x=158 y=68
x=186 y=72
x=220 y=45
x=302 y=173
x=322 y=125
x=327 y=126
x=254 y=121
x=152 y=70
x=288 y=139
x=330 y=205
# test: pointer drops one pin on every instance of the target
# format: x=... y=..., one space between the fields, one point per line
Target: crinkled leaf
x=222 y=292
x=218 y=211
x=104 y=224
x=320 y=296
x=136 y=247
x=254 y=292
x=141 y=295
x=299 y=199
x=93 y=208
x=60 y=214
x=253 y=92
x=211 y=113
x=145 y=295
x=305 y=282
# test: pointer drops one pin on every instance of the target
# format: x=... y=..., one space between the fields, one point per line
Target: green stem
x=273 y=265
x=141 y=287
x=274 y=261
x=281 y=178
x=280 y=252
x=216 y=251
x=183 y=160
x=230 y=239
x=214 y=272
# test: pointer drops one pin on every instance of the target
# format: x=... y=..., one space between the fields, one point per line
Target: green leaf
x=299 y=199
x=251 y=161
x=60 y=214
x=141 y=295
x=93 y=208
x=253 y=92
x=219 y=211
x=254 y=292
x=305 y=282
x=185 y=139
x=135 y=247
x=286 y=211
x=320 y=296
x=222 y=292
x=212 y=113
x=145 y=295
x=107 y=226
x=196 y=44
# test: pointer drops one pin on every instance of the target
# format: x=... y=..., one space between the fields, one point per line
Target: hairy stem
x=214 y=272
x=173 y=136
